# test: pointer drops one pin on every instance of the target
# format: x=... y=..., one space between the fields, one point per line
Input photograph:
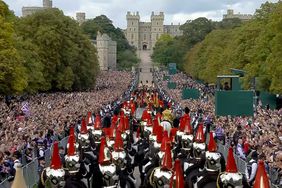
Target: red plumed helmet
x=56 y=161
x=83 y=129
x=97 y=124
x=200 y=137
x=118 y=146
x=179 y=178
x=188 y=129
x=165 y=140
x=104 y=154
x=71 y=149
x=159 y=134
x=89 y=118
x=167 y=159
x=262 y=180
x=231 y=164
x=212 y=147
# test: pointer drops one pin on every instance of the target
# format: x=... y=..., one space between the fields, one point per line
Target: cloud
x=175 y=10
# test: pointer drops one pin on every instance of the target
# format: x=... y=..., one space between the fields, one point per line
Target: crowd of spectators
x=260 y=134
x=26 y=120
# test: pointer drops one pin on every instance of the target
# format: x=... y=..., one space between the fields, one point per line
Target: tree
x=196 y=30
x=174 y=50
x=254 y=47
x=60 y=52
x=104 y=25
x=13 y=78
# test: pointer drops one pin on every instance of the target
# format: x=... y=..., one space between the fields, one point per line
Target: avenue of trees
x=212 y=48
x=45 y=51
x=126 y=56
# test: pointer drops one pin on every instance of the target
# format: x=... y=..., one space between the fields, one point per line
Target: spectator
x=251 y=169
x=239 y=149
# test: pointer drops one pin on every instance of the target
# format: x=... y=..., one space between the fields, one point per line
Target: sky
x=176 y=11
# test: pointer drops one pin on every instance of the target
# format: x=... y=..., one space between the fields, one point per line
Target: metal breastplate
x=56 y=177
x=119 y=158
x=109 y=174
x=97 y=135
x=160 y=178
x=212 y=162
x=110 y=143
x=234 y=180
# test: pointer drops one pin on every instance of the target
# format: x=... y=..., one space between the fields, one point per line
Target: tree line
x=48 y=51
x=213 y=48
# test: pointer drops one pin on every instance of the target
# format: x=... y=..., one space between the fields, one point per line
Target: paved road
x=146 y=66
x=146 y=73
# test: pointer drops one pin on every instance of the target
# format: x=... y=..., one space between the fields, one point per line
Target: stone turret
x=107 y=50
x=80 y=17
x=132 y=32
x=230 y=14
x=157 y=28
x=47 y=3
x=30 y=10
x=144 y=35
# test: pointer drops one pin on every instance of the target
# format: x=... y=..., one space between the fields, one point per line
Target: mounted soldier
x=231 y=177
x=88 y=152
x=161 y=176
x=53 y=176
x=194 y=164
x=107 y=167
x=214 y=165
x=75 y=169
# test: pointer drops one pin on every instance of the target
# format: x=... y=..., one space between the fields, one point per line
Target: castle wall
x=26 y=11
x=31 y=10
x=107 y=52
x=112 y=55
x=80 y=17
x=173 y=30
x=144 y=35
x=230 y=14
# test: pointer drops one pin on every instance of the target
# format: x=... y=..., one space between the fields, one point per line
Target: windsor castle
x=144 y=35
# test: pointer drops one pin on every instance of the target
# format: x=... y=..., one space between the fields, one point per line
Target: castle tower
x=103 y=48
x=157 y=27
x=230 y=12
x=132 y=31
x=80 y=17
x=47 y=3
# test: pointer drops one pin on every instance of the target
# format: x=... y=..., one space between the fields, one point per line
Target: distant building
x=80 y=17
x=144 y=35
x=30 y=10
x=107 y=52
x=243 y=17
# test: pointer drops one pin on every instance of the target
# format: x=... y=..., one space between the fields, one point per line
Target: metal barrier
x=5 y=184
x=30 y=171
x=242 y=165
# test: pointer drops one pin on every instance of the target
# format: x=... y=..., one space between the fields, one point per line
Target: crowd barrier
x=30 y=170
x=242 y=165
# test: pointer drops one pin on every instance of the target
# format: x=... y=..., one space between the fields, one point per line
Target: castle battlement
x=230 y=14
x=132 y=15
x=157 y=16
x=144 y=35
x=32 y=9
